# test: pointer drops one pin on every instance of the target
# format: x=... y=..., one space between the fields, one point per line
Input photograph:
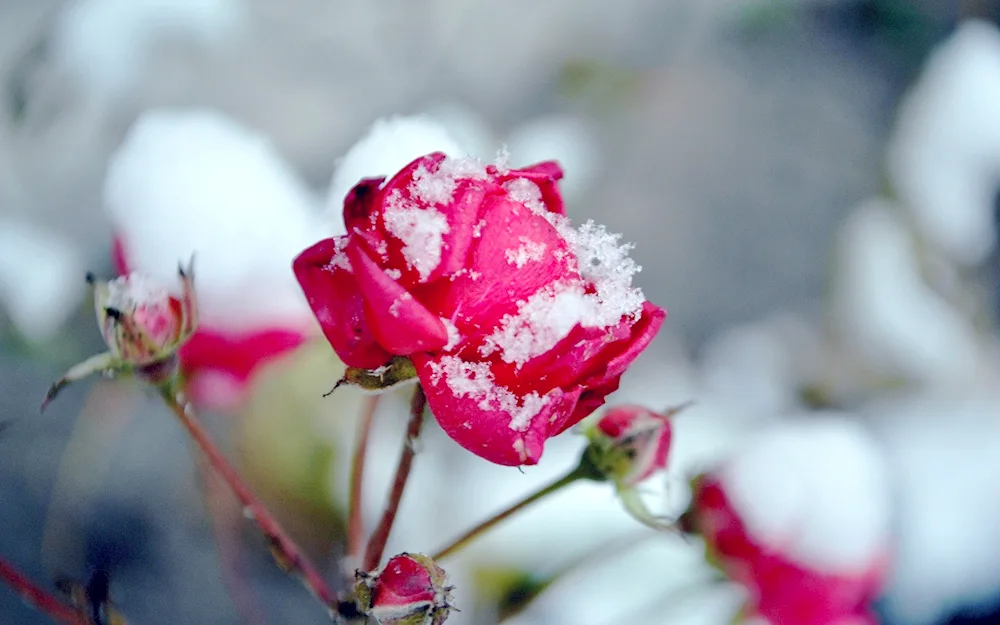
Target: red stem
x=379 y=538
x=355 y=522
x=286 y=552
x=40 y=598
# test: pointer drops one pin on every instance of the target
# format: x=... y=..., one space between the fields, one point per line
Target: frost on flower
x=547 y=317
x=475 y=381
x=467 y=269
x=421 y=230
x=528 y=251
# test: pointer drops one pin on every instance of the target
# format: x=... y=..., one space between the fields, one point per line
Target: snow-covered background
x=810 y=185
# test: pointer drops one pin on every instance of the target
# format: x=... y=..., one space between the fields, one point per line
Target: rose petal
x=493 y=285
x=546 y=175
x=487 y=431
x=400 y=324
x=334 y=296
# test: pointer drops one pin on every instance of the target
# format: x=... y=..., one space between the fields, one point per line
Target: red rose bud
x=630 y=443
x=801 y=519
x=409 y=590
x=517 y=323
x=143 y=325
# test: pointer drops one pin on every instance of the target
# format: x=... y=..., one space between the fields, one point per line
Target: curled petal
x=335 y=299
x=481 y=420
x=400 y=324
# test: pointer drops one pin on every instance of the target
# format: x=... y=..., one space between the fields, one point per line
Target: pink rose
x=801 y=516
x=782 y=590
x=218 y=363
x=518 y=324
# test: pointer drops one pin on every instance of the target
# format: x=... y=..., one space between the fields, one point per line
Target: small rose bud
x=141 y=322
x=630 y=443
x=409 y=590
x=143 y=326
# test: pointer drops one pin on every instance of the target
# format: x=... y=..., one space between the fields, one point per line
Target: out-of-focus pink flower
x=630 y=443
x=409 y=590
x=777 y=553
x=518 y=324
x=193 y=182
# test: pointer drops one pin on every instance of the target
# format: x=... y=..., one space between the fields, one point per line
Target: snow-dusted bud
x=409 y=590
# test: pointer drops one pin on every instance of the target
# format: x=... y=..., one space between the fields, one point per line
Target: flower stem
x=355 y=522
x=40 y=598
x=379 y=538
x=285 y=551
x=460 y=542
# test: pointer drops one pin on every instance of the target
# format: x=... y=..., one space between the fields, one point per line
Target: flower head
x=630 y=443
x=409 y=590
x=800 y=518
x=518 y=324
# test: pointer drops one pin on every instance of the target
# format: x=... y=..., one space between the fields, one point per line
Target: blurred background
x=810 y=185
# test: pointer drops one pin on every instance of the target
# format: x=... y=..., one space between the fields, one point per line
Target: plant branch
x=472 y=534
x=379 y=538
x=355 y=522
x=288 y=555
x=40 y=598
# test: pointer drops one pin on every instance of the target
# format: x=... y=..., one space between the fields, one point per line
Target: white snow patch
x=528 y=251
x=420 y=229
x=438 y=187
x=548 y=316
x=475 y=380
x=526 y=192
x=816 y=490
x=944 y=156
x=942 y=449
x=339 y=258
x=109 y=45
x=128 y=293
x=41 y=279
x=892 y=322
x=453 y=334
x=194 y=182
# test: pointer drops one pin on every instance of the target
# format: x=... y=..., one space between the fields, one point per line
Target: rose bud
x=800 y=517
x=144 y=326
x=408 y=590
x=518 y=324
x=630 y=443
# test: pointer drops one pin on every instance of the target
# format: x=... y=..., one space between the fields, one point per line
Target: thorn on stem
x=90 y=277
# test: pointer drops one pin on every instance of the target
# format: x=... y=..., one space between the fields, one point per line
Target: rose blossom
x=800 y=517
x=517 y=323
